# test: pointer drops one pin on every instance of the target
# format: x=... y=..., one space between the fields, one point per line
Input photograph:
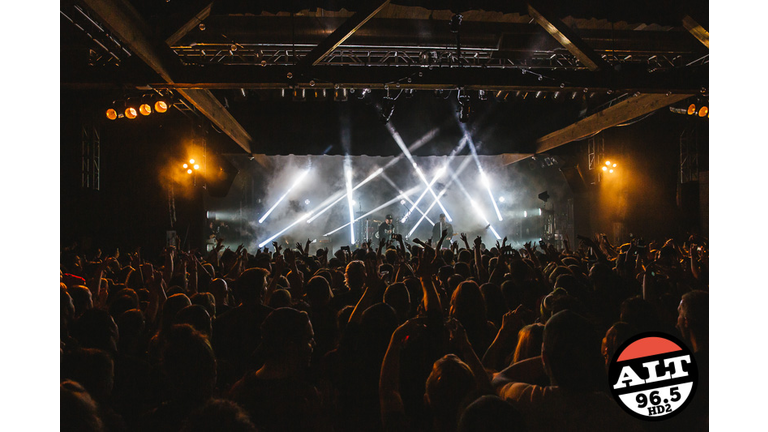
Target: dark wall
x=131 y=207
x=644 y=194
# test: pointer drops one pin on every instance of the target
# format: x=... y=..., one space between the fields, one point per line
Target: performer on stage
x=386 y=229
x=437 y=230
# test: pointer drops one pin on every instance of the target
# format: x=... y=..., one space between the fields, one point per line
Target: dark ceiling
x=257 y=71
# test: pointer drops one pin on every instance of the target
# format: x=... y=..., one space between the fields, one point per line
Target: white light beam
x=295 y=183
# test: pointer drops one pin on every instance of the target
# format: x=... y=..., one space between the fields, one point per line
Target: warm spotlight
x=131 y=109
x=185 y=166
x=189 y=171
x=605 y=168
x=145 y=109
x=691 y=109
x=131 y=113
x=161 y=106
x=614 y=165
x=610 y=171
x=196 y=166
x=608 y=163
x=191 y=161
x=111 y=114
x=703 y=111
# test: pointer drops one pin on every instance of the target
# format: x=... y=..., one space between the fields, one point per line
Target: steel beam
x=126 y=23
x=696 y=29
x=189 y=25
x=342 y=33
x=567 y=37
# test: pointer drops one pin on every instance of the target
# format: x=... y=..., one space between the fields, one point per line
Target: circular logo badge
x=653 y=376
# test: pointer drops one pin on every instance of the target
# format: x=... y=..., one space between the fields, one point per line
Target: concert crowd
x=395 y=336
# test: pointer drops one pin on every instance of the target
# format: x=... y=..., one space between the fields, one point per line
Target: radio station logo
x=653 y=376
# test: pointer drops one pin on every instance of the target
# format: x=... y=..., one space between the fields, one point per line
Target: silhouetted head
x=81 y=298
x=252 y=285
x=218 y=287
x=206 y=300
x=454 y=282
x=693 y=318
x=390 y=256
x=189 y=363
x=66 y=307
x=219 y=415
x=96 y=329
x=93 y=369
x=197 y=317
x=280 y=298
x=462 y=268
x=124 y=300
x=448 y=387
x=529 y=340
x=171 y=307
x=640 y=314
x=398 y=297
x=465 y=256
x=78 y=411
x=354 y=276
x=571 y=352
x=467 y=304
x=287 y=336
x=614 y=337
x=376 y=326
x=490 y=413
x=318 y=292
x=130 y=325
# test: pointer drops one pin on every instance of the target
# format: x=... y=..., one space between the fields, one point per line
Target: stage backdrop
x=307 y=198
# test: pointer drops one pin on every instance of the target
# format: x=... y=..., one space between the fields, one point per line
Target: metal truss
x=689 y=155
x=428 y=57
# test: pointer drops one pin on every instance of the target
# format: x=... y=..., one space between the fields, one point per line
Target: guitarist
x=437 y=230
x=386 y=229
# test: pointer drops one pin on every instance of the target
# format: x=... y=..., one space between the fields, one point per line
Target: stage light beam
x=351 y=202
x=274 y=206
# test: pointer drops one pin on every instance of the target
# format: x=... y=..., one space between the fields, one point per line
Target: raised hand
x=279 y=266
x=465 y=240
x=290 y=257
x=513 y=321
x=373 y=278
x=457 y=333
x=412 y=327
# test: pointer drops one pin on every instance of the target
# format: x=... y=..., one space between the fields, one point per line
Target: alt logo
x=653 y=376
